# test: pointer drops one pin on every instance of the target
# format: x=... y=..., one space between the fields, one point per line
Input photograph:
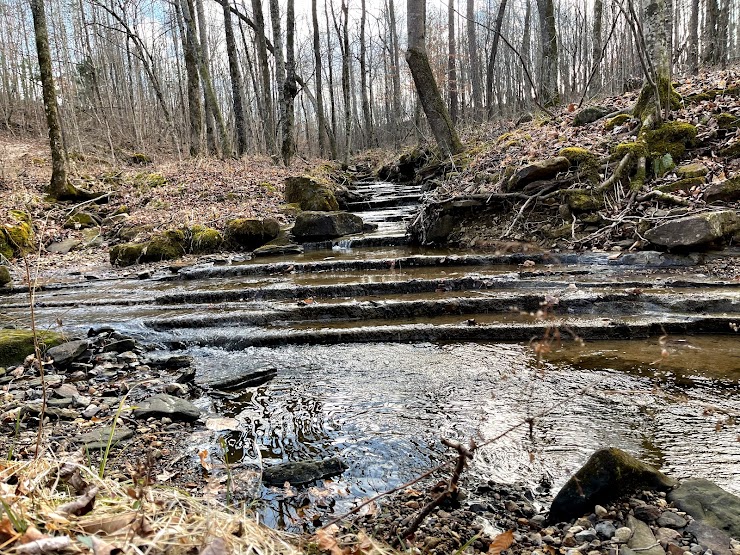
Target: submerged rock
x=709 y=503
x=608 y=474
x=303 y=472
x=693 y=230
x=326 y=225
x=166 y=405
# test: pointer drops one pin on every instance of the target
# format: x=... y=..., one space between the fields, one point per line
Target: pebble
x=670 y=519
x=600 y=511
x=586 y=535
x=90 y=411
x=605 y=530
x=622 y=535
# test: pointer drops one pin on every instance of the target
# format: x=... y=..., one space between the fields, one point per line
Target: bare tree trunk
x=290 y=90
x=692 y=58
x=320 y=116
x=711 y=21
x=492 y=57
x=366 y=116
x=597 y=46
x=195 y=111
x=451 y=61
x=59 y=187
x=345 y=83
x=237 y=91
x=396 y=62
x=426 y=86
x=476 y=93
x=277 y=51
x=526 y=48
x=549 y=46
x=269 y=112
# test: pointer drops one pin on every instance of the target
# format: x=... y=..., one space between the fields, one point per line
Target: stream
x=380 y=349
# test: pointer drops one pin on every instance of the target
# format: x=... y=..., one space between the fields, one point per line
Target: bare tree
x=549 y=47
x=451 y=61
x=476 y=92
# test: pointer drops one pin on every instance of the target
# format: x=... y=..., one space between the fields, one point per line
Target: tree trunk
x=290 y=90
x=692 y=58
x=476 y=93
x=658 y=33
x=195 y=110
x=431 y=99
x=451 y=61
x=492 y=57
x=366 y=116
x=59 y=187
x=269 y=112
x=345 y=83
x=320 y=116
x=237 y=92
x=396 y=62
x=549 y=46
x=597 y=46
x=277 y=52
x=711 y=21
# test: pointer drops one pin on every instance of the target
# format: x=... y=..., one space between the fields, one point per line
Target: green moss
x=312 y=193
x=81 y=220
x=21 y=237
x=645 y=104
x=123 y=209
x=728 y=121
x=582 y=200
x=616 y=121
x=670 y=138
x=6 y=250
x=731 y=151
x=637 y=148
x=126 y=254
x=16 y=345
x=711 y=94
x=139 y=159
x=205 y=239
x=577 y=155
x=5 y=278
x=164 y=246
x=250 y=233
x=681 y=185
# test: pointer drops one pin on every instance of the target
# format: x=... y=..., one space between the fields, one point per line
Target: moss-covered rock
x=123 y=209
x=616 y=121
x=6 y=250
x=583 y=200
x=672 y=138
x=20 y=238
x=586 y=161
x=711 y=94
x=311 y=193
x=695 y=169
x=728 y=121
x=167 y=245
x=591 y=114
x=5 y=278
x=16 y=345
x=694 y=230
x=81 y=220
x=637 y=148
x=681 y=185
x=139 y=159
x=731 y=151
x=727 y=190
x=250 y=233
x=205 y=240
x=126 y=254
x=317 y=226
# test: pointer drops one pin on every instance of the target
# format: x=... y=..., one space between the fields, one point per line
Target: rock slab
x=101 y=438
x=607 y=475
x=697 y=229
x=708 y=503
x=67 y=353
x=303 y=472
x=166 y=405
x=326 y=225
x=642 y=541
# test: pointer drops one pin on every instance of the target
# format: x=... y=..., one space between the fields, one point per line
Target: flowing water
x=380 y=352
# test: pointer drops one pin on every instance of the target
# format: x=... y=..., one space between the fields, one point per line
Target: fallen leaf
x=101 y=547
x=44 y=545
x=80 y=506
x=501 y=542
x=6 y=530
x=203 y=455
x=216 y=547
x=109 y=525
x=326 y=540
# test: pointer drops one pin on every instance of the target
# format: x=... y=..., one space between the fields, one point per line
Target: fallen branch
x=664 y=197
x=618 y=172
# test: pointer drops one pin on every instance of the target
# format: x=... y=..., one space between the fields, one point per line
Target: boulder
x=708 y=503
x=608 y=474
x=67 y=353
x=63 y=247
x=5 y=278
x=710 y=537
x=16 y=345
x=591 y=114
x=205 y=240
x=325 y=225
x=727 y=190
x=696 y=229
x=310 y=193
x=642 y=541
x=250 y=233
x=167 y=245
x=303 y=472
x=546 y=169
x=162 y=405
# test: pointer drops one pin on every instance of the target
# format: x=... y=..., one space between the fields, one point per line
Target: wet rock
x=311 y=193
x=250 y=233
x=303 y=472
x=63 y=247
x=608 y=474
x=101 y=438
x=545 y=169
x=120 y=346
x=710 y=537
x=278 y=250
x=669 y=519
x=708 y=503
x=642 y=540
x=591 y=114
x=326 y=225
x=67 y=353
x=233 y=378
x=693 y=230
x=166 y=405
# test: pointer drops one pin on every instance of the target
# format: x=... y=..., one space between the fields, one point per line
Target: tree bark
x=451 y=61
x=277 y=52
x=711 y=22
x=692 y=58
x=476 y=93
x=237 y=90
x=549 y=46
x=320 y=116
x=366 y=115
x=490 y=101
x=195 y=111
x=431 y=99
x=290 y=90
x=396 y=62
x=59 y=188
x=596 y=45
x=268 y=118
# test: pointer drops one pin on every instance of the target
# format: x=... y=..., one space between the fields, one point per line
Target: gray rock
x=67 y=353
x=233 y=378
x=546 y=169
x=727 y=190
x=605 y=529
x=608 y=474
x=710 y=538
x=63 y=247
x=303 y=472
x=642 y=540
x=586 y=536
x=325 y=225
x=120 y=346
x=696 y=229
x=648 y=513
x=90 y=411
x=278 y=250
x=101 y=438
x=591 y=114
x=66 y=390
x=166 y=405
x=709 y=503
x=669 y=519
